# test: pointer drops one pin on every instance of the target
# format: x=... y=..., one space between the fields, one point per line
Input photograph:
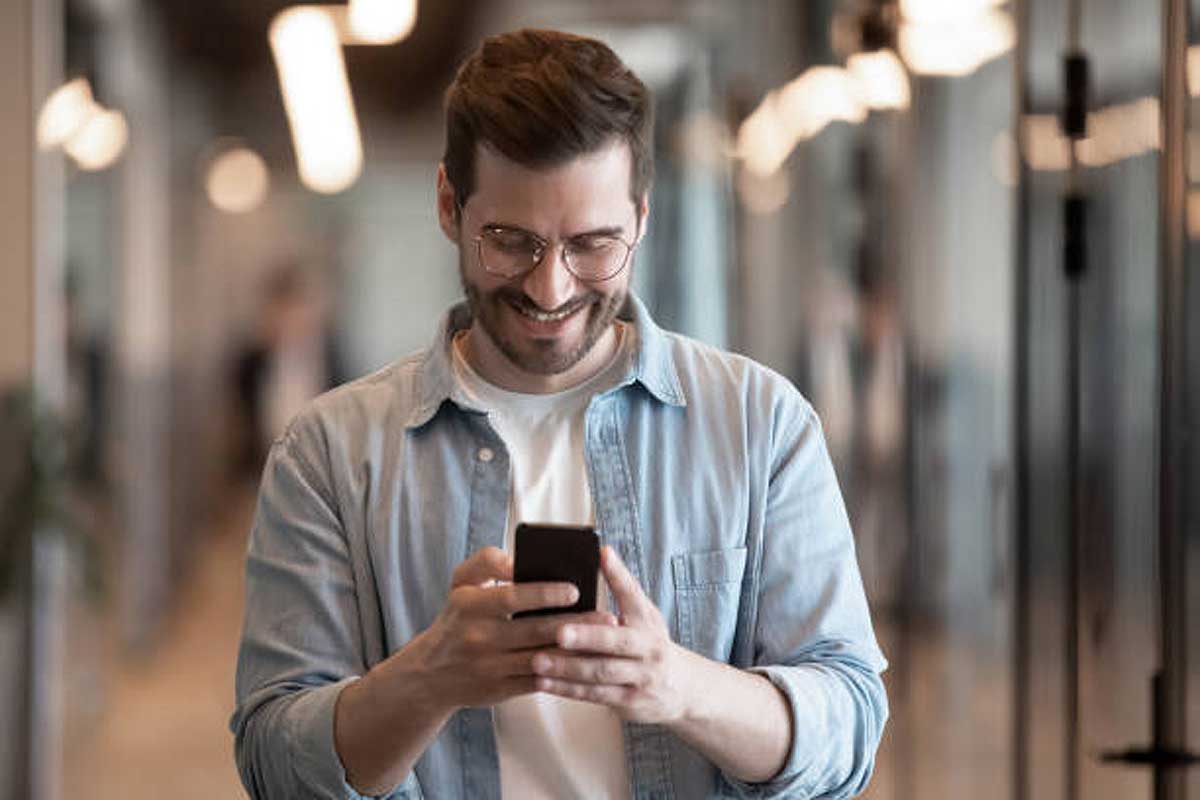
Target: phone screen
x=568 y=553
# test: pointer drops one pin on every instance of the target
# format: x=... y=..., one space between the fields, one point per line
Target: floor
x=157 y=726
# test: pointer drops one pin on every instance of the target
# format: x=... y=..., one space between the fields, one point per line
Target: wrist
x=693 y=674
x=407 y=682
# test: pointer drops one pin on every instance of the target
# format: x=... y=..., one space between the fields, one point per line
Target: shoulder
x=709 y=375
x=344 y=414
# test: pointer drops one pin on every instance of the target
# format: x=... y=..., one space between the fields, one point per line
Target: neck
x=494 y=367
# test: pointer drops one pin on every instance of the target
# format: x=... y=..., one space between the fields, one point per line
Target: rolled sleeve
x=301 y=642
x=814 y=639
x=286 y=749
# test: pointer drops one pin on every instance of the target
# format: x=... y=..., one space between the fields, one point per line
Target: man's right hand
x=474 y=654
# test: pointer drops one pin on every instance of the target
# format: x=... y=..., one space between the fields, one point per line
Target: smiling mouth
x=545 y=316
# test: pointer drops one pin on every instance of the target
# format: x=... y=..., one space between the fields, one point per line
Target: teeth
x=541 y=316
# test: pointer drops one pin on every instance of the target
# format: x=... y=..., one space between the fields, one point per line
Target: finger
x=513 y=665
x=542 y=631
x=509 y=688
x=583 y=669
x=612 y=696
x=488 y=564
x=512 y=598
x=627 y=642
x=625 y=588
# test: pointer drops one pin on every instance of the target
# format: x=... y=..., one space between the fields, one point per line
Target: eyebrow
x=614 y=231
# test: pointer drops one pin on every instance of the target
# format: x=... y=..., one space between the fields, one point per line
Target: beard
x=541 y=356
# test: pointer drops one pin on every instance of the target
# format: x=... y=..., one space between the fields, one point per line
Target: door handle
x=1157 y=757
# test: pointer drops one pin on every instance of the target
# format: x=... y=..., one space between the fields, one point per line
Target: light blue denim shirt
x=710 y=477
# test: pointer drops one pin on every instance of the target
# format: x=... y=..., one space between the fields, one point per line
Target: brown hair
x=541 y=98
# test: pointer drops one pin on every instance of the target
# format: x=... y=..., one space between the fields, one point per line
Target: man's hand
x=737 y=719
x=474 y=654
x=634 y=667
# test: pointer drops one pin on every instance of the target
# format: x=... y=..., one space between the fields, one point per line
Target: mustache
x=524 y=303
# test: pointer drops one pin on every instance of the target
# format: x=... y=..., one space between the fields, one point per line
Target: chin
x=546 y=356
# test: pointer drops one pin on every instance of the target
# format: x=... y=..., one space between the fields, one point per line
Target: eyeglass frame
x=542 y=247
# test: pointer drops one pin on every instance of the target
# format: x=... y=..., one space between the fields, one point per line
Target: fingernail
x=566 y=636
x=573 y=595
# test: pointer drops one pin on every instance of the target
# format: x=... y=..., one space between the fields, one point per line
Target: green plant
x=35 y=448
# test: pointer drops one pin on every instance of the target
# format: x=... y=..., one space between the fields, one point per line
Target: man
x=733 y=654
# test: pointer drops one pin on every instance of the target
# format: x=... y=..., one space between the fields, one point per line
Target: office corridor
x=134 y=748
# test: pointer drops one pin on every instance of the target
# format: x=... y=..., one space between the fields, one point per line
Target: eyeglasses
x=511 y=252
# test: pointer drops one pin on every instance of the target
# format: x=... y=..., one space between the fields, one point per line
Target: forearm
x=738 y=720
x=384 y=722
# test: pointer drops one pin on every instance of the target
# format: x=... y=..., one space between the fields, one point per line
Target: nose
x=550 y=284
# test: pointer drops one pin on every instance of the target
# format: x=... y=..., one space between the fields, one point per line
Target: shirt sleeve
x=813 y=636
x=301 y=641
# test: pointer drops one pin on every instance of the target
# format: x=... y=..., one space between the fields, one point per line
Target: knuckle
x=475 y=636
x=457 y=598
x=509 y=598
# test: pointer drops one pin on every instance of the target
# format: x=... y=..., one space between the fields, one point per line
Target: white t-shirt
x=551 y=747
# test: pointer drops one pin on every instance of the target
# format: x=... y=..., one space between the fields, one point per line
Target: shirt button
x=486 y=454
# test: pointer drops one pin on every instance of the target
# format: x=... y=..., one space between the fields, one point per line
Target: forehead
x=590 y=190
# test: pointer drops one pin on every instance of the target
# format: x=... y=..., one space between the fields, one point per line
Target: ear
x=447 y=206
x=643 y=217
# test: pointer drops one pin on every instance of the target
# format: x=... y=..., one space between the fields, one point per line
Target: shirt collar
x=653 y=365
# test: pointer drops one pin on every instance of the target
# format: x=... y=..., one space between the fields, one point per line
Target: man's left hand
x=633 y=667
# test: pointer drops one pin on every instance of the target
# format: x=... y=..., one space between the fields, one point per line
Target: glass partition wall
x=996 y=328
x=869 y=196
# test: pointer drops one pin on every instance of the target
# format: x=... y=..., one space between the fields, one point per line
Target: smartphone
x=568 y=553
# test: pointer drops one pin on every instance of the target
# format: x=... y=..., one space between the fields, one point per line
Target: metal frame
x=1170 y=712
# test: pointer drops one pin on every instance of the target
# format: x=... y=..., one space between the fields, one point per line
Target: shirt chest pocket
x=708 y=587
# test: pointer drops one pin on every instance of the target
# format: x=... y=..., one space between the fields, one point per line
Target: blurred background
x=964 y=228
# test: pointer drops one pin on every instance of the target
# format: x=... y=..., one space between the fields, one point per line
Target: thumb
x=624 y=587
x=488 y=564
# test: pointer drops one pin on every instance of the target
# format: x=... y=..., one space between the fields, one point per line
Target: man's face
x=541 y=329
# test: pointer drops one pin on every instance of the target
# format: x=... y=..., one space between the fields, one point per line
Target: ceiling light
x=382 y=21
x=316 y=96
x=100 y=141
x=764 y=142
x=882 y=79
x=957 y=46
x=798 y=111
x=1193 y=70
x=818 y=97
x=763 y=194
x=237 y=181
x=940 y=11
x=65 y=111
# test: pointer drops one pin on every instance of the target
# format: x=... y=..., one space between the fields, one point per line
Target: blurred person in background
x=291 y=360
x=87 y=385
x=731 y=651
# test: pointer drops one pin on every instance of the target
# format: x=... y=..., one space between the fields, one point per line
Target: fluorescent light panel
x=316 y=96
